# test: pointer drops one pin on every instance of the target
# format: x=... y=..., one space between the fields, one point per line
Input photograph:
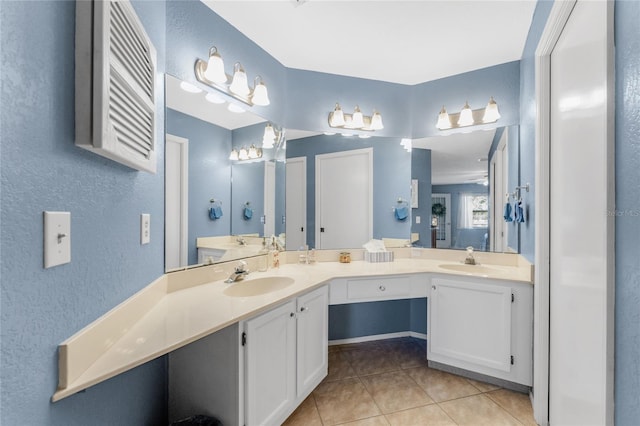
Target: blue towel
x=248 y=213
x=519 y=213
x=215 y=212
x=402 y=213
x=507 y=213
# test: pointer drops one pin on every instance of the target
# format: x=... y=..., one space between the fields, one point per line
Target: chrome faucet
x=241 y=241
x=469 y=260
x=239 y=273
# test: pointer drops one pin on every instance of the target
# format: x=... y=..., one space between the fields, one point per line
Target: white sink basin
x=481 y=270
x=258 y=286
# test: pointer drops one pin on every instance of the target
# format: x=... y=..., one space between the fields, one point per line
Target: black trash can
x=198 y=420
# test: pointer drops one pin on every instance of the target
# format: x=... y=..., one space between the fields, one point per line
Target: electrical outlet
x=145 y=228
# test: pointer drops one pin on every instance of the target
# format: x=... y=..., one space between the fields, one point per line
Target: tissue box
x=383 y=256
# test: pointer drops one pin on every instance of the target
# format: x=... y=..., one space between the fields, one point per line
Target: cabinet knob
x=382 y=288
x=433 y=287
x=304 y=309
x=292 y=314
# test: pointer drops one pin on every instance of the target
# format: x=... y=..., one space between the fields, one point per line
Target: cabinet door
x=470 y=322
x=270 y=381
x=312 y=340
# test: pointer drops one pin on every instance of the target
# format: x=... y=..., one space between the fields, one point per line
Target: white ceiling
x=405 y=42
x=454 y=158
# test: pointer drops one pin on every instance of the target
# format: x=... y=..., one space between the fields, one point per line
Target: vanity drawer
x=378 y=288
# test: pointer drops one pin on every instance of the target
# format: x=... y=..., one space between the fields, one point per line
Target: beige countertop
x=181 y=307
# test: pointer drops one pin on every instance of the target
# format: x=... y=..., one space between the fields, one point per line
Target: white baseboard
x=378 y=337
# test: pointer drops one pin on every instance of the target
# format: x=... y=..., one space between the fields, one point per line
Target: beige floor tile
x=441 y=386
x=371 y=421
x=478 y=410
x=395 y=391
x=372 y=361
x=339 y=367
x=483 y=386
x=517 y=404
x=428 y=415
x=305 y=415
x=344 y=401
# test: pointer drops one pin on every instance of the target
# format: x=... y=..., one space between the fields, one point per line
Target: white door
x=176 y=218
x=344 y=199
x=269 y=198
x=296 y=202
x=581 y=233
x=270 y=365
x=312 y=340
x=443 y=230
x=498 y=190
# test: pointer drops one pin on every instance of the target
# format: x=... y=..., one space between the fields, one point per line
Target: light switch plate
x=145 y=228
x=417 y=219
x=57 y=238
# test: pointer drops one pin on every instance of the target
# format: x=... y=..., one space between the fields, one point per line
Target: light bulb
x=188 y=87
x=239 y=84
x=215 y=67
x=444 y=122
x=358 y=119
x=254 y=152
x=214 y=98
x=491 y=112
x=336 y=118
x=243 y=154
x=269 y=137
x=260 y=95
x=376 y=121
x=234 y=155
x=466 y=116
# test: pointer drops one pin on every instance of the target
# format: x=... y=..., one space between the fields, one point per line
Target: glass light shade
x=336 y=118
x=269 y=137
x=260 y=95
x=234 y=155
x=491 y=112
x=188 y=87
x=254 y=152
x=466 y=116
x=214 y=98
x=243 y=154
x=235 y=108
x=239 y=84
x=376 y=121
x=215 y=67
x=444 y=122
x=357 y=119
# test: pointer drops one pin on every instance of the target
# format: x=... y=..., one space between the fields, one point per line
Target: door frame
x=289 y=217
x=349 y=153
x=556 y=22
x=497 y=196
x=183 y=144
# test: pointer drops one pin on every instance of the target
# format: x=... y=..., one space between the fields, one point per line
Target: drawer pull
x=382 y=288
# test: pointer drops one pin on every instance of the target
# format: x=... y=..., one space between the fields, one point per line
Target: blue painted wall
x=209 y=175
x=280 y=197
x=477 y=235
x=627 y=338
x=421 y=170
x=42 y=170
x=243 y=190
x=391 y=178
x=528 y=122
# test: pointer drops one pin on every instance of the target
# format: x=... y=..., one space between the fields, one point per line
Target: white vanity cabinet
x=255 y=372
x=370 y=289
x=482 y=325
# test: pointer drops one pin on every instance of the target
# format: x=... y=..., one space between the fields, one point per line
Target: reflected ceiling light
x=491 y=112
x=444 y=121
x=236 y=108
x=260 y=94
x=188 y=87
x=355 y=121
x=214 y=98
x=215 y=67
x=239 y=84
x=468 y=117
x=211 y=73
x=234 y=155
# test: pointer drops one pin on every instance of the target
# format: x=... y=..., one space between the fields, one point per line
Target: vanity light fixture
x=355 y=121
x=269 y=137
x=468 y=117
x=234 y=156
x=244 y=153
x=211 y=73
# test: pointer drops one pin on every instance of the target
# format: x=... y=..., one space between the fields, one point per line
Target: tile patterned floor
x=388 y=383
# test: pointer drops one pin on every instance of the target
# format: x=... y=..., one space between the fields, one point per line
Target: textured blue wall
x=627 y=338
x=421 y=170
x=43 y=170
x=391 y=178
x=209 y=175
x=243 y=190
x=455 y=191
x=528 y=123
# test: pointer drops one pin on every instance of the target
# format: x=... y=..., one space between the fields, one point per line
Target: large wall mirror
x=217 y=208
